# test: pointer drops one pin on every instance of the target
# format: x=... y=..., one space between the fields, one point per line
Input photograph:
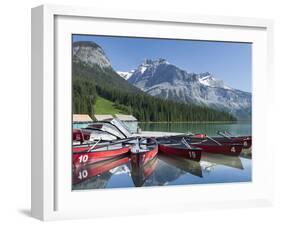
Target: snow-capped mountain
x=125 y=75
x=162 y=79
x=90 y=53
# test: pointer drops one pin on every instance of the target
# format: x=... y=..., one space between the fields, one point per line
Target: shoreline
x=200 y=122
x=189 y=122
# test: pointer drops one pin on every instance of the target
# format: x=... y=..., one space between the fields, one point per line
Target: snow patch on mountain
x=209 y=80
x=143 y=69
x=125 y=75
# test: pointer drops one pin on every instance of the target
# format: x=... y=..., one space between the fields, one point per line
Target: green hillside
x=104 y=106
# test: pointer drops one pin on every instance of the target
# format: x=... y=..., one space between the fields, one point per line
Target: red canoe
x=81 y=156
x=179 y=149
x=246 y=141
x=224 y=148
x=143 y=153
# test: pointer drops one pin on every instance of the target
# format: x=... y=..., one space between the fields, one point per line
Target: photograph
x=160 y=111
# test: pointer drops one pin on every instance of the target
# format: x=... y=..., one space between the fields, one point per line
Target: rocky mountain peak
x=90 y=53
x=150 y=62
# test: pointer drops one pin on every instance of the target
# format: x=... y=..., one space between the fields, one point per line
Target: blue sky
x=231 y=62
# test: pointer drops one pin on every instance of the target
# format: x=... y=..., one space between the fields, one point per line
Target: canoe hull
x=225 y=149
x=83 y=158
x=246 y=141
x=142 y=158
x=192 y=154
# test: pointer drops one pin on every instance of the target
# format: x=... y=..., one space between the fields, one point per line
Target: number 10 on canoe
x=83 y=158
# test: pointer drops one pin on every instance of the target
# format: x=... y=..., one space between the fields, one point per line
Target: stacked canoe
x=95 y=155
x=141 y=149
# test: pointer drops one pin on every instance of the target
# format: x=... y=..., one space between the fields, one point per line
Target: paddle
x=224 y=135
x=94 y=145
x=218 y=143
x=210 y=138
x=185 y=143
x=110 y=143
x=226 y=132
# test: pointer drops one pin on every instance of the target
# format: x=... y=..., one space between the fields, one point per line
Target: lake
x=163 y=169
x=210 y=128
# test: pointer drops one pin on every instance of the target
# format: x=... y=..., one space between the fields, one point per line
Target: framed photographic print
x=148 y=112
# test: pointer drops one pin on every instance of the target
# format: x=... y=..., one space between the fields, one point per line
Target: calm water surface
x=237 y=128
x=121 y=172
x=164 y=170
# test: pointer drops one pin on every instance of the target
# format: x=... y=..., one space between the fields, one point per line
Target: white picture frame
x=52 y=197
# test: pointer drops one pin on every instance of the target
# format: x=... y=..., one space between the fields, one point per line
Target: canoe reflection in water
x=160 y=169
x=98 y=174
x=185 y=165
x=141 y=173
x=230 y=161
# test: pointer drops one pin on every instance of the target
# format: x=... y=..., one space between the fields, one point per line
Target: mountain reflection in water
x=122 y=172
